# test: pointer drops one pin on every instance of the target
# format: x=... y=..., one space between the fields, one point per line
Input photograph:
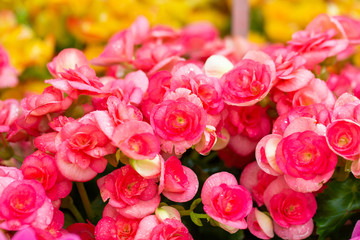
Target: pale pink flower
x=225 y=200
x=151 y=228
x=180 y=182
x=323 y=37
x=51 y=100
x=70 y=58
x=178 y=121
x=22 y=202
x=121 y=112
x=250 y=80
x=288 y=207
x=132 y=195
x=81 y=147
x=265 y=154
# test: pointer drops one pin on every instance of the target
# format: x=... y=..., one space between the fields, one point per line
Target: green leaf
x=338 y=202
x=195 y=219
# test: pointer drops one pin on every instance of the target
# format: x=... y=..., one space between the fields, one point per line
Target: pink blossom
x=255 y=181
x=343 y=138
x=290 y=71
x=9 y=112
x=121 y=112
x=151 y=228
x=132 y=195
x=180 y=182
x=350 y=27
x=207 y=141
x=302 y=231
x=315 y=92
x=287 y=207
x=306 y=160
x=8 y=74
x=265 y=154
x=118 y=228
x=22 y=202
x=80 y=80
x=136 y=139
x=41 y=167
x=179 y=121
x=84 y=230
x=249 y=121
x=260 y=224
x=225 y=200
x=51 y=100
x=81 y=147
x=69 y=58
x=323 y=37
x=250 y=80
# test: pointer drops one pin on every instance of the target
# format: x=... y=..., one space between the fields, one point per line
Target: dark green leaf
x=336 y=205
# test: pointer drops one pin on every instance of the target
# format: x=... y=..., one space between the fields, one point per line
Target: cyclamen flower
x=179 y=121
x=225 y=200
x=152 y=228
x=132 y=195
x=250 y=80
x=23 y=203
x=81 y=147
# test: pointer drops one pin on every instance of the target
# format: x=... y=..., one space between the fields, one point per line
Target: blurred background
x=32 y=32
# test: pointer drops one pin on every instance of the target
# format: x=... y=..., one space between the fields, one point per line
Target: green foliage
x=336 y=205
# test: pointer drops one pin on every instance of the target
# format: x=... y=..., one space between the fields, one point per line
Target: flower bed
x=151 y=144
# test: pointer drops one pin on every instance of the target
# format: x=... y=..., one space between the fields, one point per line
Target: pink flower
x=265 y=154
x=225 y=200
x=42 y=167
x=260 y=224
x=132 y=195
x=8 y=74
x=80 y=80
x=121 y=112
x=290 y=71
x=255 y=181
x=250 y=80
x=69 y=58
x=315 y=92
x=136 y=140
x=118 y=228
x=343 y=138
x=288 y=207
x=51 y=100
x=306 y=160
x=180 y=182
x=179 y=121
x=81 y=147
x=22 y=202
x=9 y=112
x=323 y=37
x=151 y=228
x=252 y=121
x=84 y=230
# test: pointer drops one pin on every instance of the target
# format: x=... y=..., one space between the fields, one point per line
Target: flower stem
x=68 y=203
x=85 y=200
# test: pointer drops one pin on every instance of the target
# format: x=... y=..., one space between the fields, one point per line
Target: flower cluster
x=164 y=96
